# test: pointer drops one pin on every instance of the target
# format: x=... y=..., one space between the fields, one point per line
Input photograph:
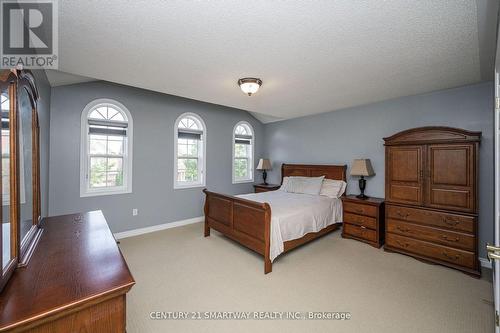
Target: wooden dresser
x=431 y=196
x=76 y=280
x=364 y=219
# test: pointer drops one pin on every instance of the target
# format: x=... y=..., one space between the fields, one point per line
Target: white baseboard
x=485 y=263
x=146 y=230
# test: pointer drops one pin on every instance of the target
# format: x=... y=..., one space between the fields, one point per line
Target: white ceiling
x=312 y=56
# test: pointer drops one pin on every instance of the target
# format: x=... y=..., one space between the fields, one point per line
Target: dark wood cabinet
x=431 y=195
x=451 y=179
x=405 y=174
x=363 y=219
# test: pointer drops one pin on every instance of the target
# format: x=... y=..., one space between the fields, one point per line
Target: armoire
x=431 y=189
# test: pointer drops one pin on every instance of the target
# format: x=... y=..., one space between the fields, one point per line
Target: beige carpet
x=180 y=270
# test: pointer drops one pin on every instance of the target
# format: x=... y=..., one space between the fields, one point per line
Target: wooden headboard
x=337 y=172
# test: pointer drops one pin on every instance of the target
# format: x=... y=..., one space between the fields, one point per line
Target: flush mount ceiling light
x=249 y=85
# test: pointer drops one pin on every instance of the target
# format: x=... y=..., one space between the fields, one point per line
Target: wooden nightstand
x=364 y=220
x=265 y=188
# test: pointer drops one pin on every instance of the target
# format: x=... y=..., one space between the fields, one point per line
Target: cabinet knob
x=402 y=229
x=450 y=239
x=450 y=221
x=402 y=215
x=450 y=256
x=402 y=244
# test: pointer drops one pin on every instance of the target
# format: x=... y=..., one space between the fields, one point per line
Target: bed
x=248 y=220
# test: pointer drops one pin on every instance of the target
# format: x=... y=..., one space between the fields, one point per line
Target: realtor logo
x=29 y=36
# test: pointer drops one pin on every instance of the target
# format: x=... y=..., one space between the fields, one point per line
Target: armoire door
x=404 y=174
x=450 y=181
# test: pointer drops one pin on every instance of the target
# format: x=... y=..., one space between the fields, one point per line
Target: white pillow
x=333 y=188
x=306 y=185
x=284 y=184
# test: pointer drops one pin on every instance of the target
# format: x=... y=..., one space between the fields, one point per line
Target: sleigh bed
x=248 y=222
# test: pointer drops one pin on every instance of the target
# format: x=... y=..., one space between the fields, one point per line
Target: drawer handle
x=450 y=221
x=403 y=245
x=452 y=257
x=402 y=229
x=450 y=239
x=359 y=210
x=402 y=215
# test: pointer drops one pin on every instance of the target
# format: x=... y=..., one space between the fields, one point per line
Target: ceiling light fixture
x=249 y=85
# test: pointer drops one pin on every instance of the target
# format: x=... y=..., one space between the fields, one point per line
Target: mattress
x=293 y=215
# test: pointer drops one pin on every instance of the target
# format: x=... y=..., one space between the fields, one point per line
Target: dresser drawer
x=360 y=220
x=448 y=238
x=432 y=218
x=360 y=209
x=430 y=250
x=360 y=232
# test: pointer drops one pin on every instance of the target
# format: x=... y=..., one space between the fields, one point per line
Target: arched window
x=189 y=151
x=106 y=149
x=243 y=139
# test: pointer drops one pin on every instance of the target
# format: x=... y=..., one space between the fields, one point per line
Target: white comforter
x=293 y=215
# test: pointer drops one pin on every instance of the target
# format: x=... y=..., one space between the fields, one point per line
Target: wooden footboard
x=245 y=221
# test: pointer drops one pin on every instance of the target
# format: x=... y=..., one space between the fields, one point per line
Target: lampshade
x=264 y=164
x=362 y=167
x=249 y=85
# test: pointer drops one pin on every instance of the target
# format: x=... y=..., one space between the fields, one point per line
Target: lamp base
x=362 y=186
x=264 y=177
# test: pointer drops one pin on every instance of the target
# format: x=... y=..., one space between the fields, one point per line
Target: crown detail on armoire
x=431 y=190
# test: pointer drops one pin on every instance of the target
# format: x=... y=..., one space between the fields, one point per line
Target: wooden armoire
x=431 y=189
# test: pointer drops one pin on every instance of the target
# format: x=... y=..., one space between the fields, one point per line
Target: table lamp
x=362 y=168
x=264 y=164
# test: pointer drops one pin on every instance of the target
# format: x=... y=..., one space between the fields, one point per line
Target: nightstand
x=364 y=220
x=265 y=188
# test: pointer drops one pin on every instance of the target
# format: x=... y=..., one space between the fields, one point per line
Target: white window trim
x=185 y=185
x=252 y=168
x=85 y=191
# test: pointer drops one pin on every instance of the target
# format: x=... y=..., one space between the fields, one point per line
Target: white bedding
x=293 y=215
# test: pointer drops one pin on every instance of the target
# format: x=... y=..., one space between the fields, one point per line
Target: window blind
x=189 y=134
x=5 y=120
x=100 y=127
x=242 y=139
x=242 y=142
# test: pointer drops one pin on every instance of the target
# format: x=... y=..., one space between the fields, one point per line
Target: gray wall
x=153 y=115
x=339 y=137
x=44 y=90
